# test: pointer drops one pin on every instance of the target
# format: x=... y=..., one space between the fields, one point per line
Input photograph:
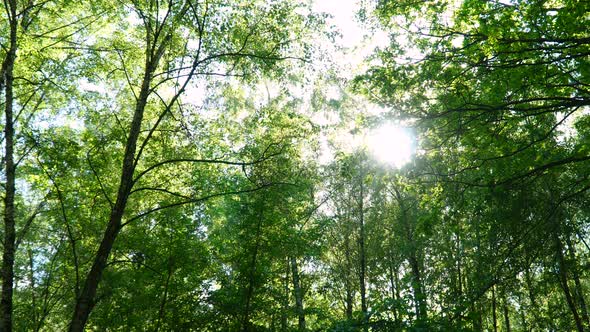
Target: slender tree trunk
x=459 y=269
x=521 y=312
x=459 y=276
x=362 y=254
x=298 y=293
x=86 y=300
x=348 y=306
x=161 y=312
x=562 y=273
x=579 y=292
x=419 y=298
x=415 y=270
x=494 y=316
x=34 y=310
x=531 y=293
x=394 y=290
x=285 y=296
x=10 y=170
x=252 y=276
x=506 y=316
x=349 y=295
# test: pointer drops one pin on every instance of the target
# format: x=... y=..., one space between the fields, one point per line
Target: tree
x=497 y=92
x=163 y=24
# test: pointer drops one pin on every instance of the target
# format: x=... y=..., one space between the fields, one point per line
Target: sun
x=391 y=144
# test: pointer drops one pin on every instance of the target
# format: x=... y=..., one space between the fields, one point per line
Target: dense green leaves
x=164 y=167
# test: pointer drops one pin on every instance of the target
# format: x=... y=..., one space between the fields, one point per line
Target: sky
x=388 y=142
x=343 y=17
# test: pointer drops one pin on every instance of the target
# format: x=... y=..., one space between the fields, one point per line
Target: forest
x=235 y=165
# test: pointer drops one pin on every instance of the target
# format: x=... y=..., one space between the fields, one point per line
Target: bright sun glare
x=391 y=144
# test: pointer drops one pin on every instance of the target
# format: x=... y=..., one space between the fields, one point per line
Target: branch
x=160 y=190
x=102 y=188
x=20 y=236
x=71 y=238
x=208 y=161
x=202 y=199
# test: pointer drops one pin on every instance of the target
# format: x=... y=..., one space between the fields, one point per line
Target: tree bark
x=10 y=169
x=298 y=293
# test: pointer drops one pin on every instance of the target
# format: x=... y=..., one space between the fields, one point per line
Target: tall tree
x=227 y=43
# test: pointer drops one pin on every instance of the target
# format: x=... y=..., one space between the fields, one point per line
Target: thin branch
x=160 y=190
x=207 y=161
x=71 y=238
x=102 y=188
x=20 y=236
x=201 y=199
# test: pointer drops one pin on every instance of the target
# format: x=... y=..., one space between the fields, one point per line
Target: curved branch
x=202 y=199
x=102 y=188
x=205 y=161
x=160 y=190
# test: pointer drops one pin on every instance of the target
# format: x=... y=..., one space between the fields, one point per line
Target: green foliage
x=227 y=219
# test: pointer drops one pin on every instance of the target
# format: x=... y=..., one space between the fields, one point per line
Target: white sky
x=393 y=145
x=343 y=12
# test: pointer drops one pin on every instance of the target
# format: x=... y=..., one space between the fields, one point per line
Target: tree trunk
x=86 y=300
x=349 y=294
x=506 y=316
x=579 y=292
x=362 y=254
x=161 y=312
x=419 y=298
x=34 y=310
x=415 y=270
x=494 y=316
x=459 y=296
x=285 y=296
x=9 y=213
x=394 y=290
x=531 y=293
x=521 y=312
x=562 y=273
x=252 y=276
x=298 y=293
